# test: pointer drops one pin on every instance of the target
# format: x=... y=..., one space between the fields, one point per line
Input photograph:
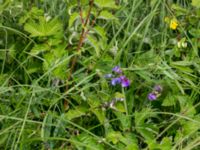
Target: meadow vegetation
x=100 y=74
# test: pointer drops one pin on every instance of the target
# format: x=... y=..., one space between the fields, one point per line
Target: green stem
x=125 y=104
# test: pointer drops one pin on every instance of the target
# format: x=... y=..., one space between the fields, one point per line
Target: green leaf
x=170 y=100
x=114 y=137
x=196 y=3
x=46 y=128
x=38 y=48
x=57 y=59
x=130 y=141
x=106 y=4
x=119 y=106
x=190 y=127
x=43 y=28
x=95 y=44
x=195 y=32
x=88 y=142
x=73 y=18
x=106 y=15
x=124 y=120
x=166 y=143
x=179 y=10
x=77 y=112
x=100 y=115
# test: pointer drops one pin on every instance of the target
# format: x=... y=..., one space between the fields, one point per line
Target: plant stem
x=125 y=104
x=80 y=44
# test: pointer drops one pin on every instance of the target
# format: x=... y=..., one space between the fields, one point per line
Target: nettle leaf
x=94 y=43
x=190 y=127
x=100 y=115
x=77 y=112
x=73 y=17
x=106 y=15
x=38 y=48
x=106 y=4
x=100 y=31
x=170 y=100
x=56 y=58
x=88 y=142
x=43 y=27
x=119 y=106
x=147 y=130
x=114 y=137
x=131 y=141
x=124 y=119
x=142 y=115
x=165 y=144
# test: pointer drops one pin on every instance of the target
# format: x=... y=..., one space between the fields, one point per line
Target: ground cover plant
x=100 y=74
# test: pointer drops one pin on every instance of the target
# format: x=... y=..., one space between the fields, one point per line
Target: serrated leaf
x=106 y=4
x=56 y=58
x=119 y=106
x=170 y=100
x=124 y=119
x=88 y=142
x=100 y=115
x=114 y=137
x=73 y=17
x=77 y=112
x=106 y=15
x=94 y=43
x=38 y=48
x=43 y=28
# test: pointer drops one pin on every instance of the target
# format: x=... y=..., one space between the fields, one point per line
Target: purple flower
x=117 y=69
x=152 y=96
x=108 y=75
x=124 y=81
x=158 y=88
x=115 y=81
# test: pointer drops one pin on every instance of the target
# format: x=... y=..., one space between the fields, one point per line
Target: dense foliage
x=100 y=74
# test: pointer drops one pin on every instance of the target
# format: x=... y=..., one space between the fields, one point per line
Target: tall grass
x=32 y=112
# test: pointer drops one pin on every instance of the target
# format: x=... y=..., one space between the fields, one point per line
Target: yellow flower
x=173 y=24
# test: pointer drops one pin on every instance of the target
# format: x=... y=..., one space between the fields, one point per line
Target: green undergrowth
x=55 y=56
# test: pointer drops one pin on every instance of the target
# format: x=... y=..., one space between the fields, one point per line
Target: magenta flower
x=117 y=69
x=124 y=81
x=152 y=96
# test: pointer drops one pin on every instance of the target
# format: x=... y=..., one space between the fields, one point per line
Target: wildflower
x=115 y=81
x=108 y=75
x=117 y=69
x=124 y=81
x=152 y=96
x=158 y=88
x=173 y=24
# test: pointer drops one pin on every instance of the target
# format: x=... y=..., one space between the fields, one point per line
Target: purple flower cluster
x=157 y=90
x=118 y=77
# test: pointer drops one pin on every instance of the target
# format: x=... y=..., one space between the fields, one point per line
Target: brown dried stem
x=80 y=44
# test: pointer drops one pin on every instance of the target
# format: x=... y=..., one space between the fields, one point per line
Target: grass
x=33 y=87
